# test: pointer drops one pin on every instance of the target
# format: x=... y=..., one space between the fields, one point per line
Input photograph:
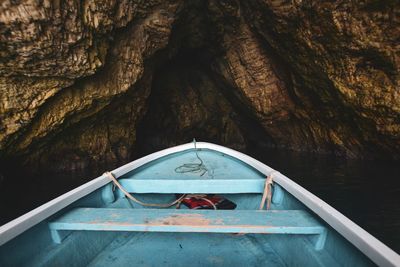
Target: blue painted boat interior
x=107 y=229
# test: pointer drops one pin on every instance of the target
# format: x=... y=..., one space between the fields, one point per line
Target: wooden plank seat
x=201 y=186
x=171 y=220
x=190 y=186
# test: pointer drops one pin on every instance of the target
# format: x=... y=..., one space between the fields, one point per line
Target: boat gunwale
x=370 y=246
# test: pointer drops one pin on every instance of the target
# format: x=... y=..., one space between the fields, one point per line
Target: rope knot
x=267 y=194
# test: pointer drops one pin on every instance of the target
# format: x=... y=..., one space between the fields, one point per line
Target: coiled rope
x=185 y=168
x=193 y=167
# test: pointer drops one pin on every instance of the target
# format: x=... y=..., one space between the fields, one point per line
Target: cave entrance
x=185 y=103
x=188 y=98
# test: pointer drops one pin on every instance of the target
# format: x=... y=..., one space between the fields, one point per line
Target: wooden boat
x=96 y=224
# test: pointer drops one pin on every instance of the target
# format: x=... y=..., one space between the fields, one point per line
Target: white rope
x=201 y=196
x=209 y=201
x=160 y=205
x=128 y=195
x=193 y=167
x=267 y=194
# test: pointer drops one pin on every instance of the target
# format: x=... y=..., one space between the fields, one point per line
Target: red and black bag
x=208 y=202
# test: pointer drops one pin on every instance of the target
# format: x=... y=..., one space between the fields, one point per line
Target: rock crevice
x=105 y=81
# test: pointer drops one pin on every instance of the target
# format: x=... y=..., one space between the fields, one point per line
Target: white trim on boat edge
x=365 y=242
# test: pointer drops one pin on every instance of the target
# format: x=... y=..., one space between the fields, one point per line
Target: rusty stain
x=195 y=220
x=192 y=220
x=155 y=223
x=186 y=219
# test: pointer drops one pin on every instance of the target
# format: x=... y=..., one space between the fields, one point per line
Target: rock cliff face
x=98 y=82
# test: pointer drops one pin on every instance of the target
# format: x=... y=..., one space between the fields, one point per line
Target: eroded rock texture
x=100 y=82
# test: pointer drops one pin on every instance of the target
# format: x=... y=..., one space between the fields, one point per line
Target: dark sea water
x=367 y=192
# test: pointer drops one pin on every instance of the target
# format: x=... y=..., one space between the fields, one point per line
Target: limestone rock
x=95 y=82
x=70 y=101
x=344 y=61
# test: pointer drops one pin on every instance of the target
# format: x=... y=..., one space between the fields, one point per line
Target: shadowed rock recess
x=91 y=83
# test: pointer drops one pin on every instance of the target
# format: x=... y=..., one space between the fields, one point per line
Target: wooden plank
x=19 y=225
x=220 y=221
x=365 y=242
x=203 y=186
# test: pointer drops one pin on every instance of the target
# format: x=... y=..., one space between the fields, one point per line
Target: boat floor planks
x=195 y=250
x=96 y=225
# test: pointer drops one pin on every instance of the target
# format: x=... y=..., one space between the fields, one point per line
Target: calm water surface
x=368 y=192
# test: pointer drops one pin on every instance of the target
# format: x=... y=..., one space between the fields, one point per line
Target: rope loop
x=193 y=167
x=267 y=194
x=131 y=197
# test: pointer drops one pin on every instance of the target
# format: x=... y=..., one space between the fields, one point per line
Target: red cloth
x=199 y=203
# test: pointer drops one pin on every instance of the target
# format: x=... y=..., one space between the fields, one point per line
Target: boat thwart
x=97 y=224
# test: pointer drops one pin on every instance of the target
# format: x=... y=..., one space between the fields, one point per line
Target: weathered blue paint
x=219 y=166
x=187 y=249
x=107 y=194
x=304 y=239
x=321 y=239
x=278 y=194
x=198 y=221
x=198 y=185
x=58 y=236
